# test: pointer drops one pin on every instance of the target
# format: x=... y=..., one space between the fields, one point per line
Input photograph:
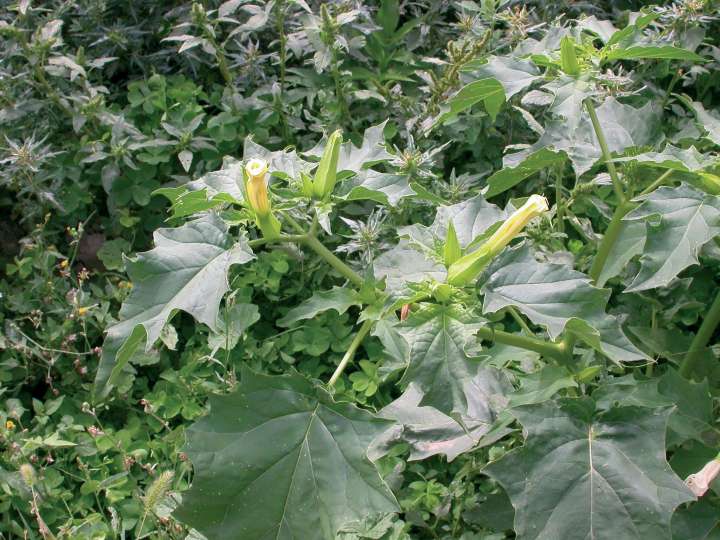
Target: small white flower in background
x=700 y=482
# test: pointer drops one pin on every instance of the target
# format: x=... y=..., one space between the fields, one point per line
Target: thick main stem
x=607 y=156
x=350 y=353
x=545 y=348
x=699 y=343
x=611 y=235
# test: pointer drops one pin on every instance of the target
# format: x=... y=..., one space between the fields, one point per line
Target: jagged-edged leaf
x=542 y=385
x=560 y=299
x=708 y=120
x=497 y=81
x=338 y=298
x=442 y=356
x=604 y=29
x=353 y=159
x=662 y=52
x=677 y=159
x=279 y=459
x=569 y=94
x=402 y=265
x=692 y=415
x=187 y=270
x=697 y=521
x=680 y=220
x=630 y=242
x=514 y=74
x=429 y=432
x=281 y=163
x=624 y=127
x=585 y=474
x=512 y=175
x=470 y=218
x=383 y=188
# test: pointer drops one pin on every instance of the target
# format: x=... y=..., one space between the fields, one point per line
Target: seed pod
x=467 y=268
x=257 y=196
x=451 y=250
x=326 y=174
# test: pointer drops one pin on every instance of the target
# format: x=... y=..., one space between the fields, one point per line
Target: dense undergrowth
x=478 y=300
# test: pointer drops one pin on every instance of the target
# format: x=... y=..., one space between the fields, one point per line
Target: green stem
x=282 y=59
x=541 y=346
x=657 y=183
x=699 y=343
x=318 y=247
x=521 y=322
x=607 y=156
x=350 y=353
x=608 y=241
x=559 y=205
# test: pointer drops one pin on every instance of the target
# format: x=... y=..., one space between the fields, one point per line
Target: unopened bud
x=326 y=174
x=257 y=195
x=469 y=267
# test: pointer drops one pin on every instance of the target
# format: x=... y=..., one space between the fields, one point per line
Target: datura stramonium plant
x=469 y=266
x=257 y=196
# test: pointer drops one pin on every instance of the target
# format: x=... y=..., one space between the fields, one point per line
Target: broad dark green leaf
x=338 y=298
x=489 y=91
x=187 y=270
x=696 y=522
x=680 y=221
x=560 y=299
x=587 y=474
x=429 y=432
x=630 y=243
x=442 y=356
x=677 y=159
x=708 y=120
x=279 y=459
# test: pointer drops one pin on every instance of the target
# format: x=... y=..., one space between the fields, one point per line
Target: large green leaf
x=624 y=127
x=429 y=432
x=680 y=221
x=355 y=159
x=708 y=120
x=279 y=459
x=383 y=188
x=560 y=299
x=677 y=159
x=403 y=265
x=470 y=218
x=442 y=356
x=586 y=474
x=187 y=270
x=630 y=242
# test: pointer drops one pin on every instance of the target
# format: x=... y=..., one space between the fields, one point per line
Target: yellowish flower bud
x=9 y=425
x=257 y=196
x=469 y=267
x=256 y=188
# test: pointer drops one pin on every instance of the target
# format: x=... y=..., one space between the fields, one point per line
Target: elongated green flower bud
x=326 y=174
x=451 y=250
x=467 y=268
x=257 y=196
x=568 y=59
